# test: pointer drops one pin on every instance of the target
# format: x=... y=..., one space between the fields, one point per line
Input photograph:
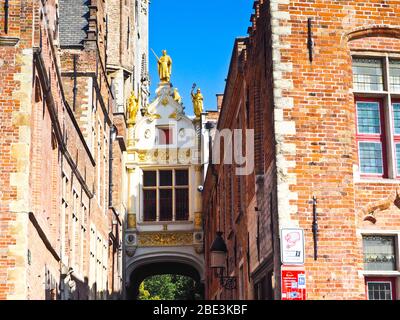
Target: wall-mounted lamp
x=218 y=255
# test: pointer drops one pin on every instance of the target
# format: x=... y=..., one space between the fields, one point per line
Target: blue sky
x=199 y=37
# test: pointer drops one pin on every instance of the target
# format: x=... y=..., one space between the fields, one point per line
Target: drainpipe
x=209 y=126
x=6 y=6
x=75 y=89
x=113 y=134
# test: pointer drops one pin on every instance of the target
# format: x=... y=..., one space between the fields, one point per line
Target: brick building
x=319 y=84
x=62 y=149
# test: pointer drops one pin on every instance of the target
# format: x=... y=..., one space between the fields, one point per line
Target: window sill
x=379 y=273
x=7 y=41
x=377 y=180
x=152 y=223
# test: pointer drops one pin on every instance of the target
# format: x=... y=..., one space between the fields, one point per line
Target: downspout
x=113 y=132
x=6 y=6
x=75 y=89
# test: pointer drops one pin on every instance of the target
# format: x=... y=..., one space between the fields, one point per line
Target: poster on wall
x=293 y=283
x=292 y=246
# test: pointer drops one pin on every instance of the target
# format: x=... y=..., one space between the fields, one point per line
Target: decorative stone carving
x=141 y=155
x=131 y=221
x=371 y=209
x=157 y=239
x=165 y=101
x=198 y=220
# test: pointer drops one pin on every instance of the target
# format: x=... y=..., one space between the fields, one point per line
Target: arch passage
x=159 y=268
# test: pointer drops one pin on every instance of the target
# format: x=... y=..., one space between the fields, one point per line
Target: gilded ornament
x=198 y=220
x=142 y=155
x=132 y=108
x=197 y=100
x=176 y=96
x=152 y=116
x=172 y=115
x=164 y=101
x=131 y=221
x=160 y=239
x=164 y=67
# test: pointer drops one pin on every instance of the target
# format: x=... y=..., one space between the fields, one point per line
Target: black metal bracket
x=310 y=41
x=315 y=228
x=228 y=283
x=6 y=7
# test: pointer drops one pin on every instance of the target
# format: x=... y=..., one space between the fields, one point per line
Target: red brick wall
x=325 y=143
x=41 y=138
x=305 y=139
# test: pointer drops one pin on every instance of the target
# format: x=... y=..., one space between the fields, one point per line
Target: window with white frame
x=166 y=195
x=376 y=86
x=380 y=266
x=379 y=253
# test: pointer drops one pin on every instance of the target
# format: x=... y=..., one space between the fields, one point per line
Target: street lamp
x=218 y=255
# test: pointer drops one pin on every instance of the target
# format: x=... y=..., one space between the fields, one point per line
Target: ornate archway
x=141 y=269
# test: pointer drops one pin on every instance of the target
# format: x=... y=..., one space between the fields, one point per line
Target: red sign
x=293 y=283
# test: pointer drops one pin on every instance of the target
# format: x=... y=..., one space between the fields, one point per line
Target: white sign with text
x=292 y=246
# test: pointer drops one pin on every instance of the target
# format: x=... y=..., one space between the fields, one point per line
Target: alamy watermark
x=187 y=146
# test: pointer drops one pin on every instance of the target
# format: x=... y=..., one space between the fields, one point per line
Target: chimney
x=220 y=98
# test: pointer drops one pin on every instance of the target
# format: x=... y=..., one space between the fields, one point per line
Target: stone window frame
x=157 y=187
x=387 y=97
x=370 y=274
x=171 y=139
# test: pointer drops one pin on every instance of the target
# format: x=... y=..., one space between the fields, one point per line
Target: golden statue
x=164 y=67
x=197 y=102
x=133 y=108
x=177 y=97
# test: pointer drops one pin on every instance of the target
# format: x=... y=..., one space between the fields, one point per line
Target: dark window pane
x=150 y=207
x=379 y=253
x=166 y=205
x=379 y=290
x=149 y=178
x=371 y=160
x=368 y=118
x=166 y=178
x=367 y=74
x=182 y=204
x=181 y=177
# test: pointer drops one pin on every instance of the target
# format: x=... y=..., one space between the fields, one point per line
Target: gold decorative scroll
x=131 y=221
x=165 y=239
x=162 y=155
x=198 y=220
